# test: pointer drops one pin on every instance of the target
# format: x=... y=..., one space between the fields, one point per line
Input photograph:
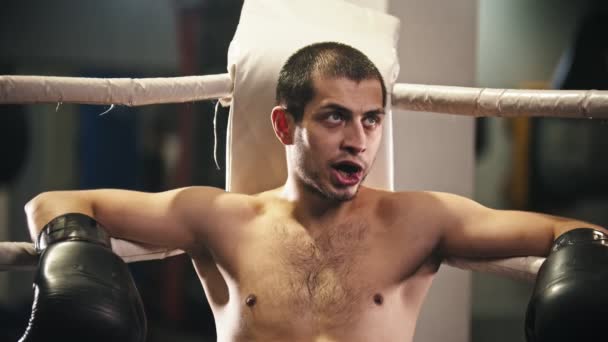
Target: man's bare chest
x=322 y=277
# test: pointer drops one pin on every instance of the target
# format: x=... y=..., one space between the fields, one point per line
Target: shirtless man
x=322 y=258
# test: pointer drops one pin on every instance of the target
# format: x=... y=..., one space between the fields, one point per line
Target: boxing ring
x=235 y=89
x=477 y=102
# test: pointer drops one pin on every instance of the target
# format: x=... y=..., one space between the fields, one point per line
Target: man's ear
x=283 y=125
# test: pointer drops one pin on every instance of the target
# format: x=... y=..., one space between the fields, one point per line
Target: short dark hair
x=329 y=59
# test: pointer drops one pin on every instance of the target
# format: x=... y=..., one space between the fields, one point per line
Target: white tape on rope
x=501 y=102
x=19 y=256
x=116 y=91
x=415 y=97
x=22 y=256
x=520 y=268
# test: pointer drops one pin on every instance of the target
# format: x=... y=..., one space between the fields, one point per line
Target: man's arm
x=469 y=229
x=182 y=218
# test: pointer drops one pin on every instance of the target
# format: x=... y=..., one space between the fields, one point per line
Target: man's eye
x=335 y=117
x=371 y=121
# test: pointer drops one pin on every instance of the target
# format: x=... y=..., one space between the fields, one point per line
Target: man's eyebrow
x=335 y=106
x=379 y=111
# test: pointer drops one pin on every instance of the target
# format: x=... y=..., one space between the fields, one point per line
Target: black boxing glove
x=82 y=290
x=570 y=298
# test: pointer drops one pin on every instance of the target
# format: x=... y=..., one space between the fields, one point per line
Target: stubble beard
x=311 y=178
x=312 y=182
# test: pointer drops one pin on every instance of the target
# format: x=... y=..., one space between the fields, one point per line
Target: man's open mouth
x=347 y=168
x=347 y=172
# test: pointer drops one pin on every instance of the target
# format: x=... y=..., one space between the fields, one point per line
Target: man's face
x=335 y=143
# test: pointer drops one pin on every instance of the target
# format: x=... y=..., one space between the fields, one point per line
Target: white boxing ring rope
x=468 y=101
x=489 y=102
x=22 y=256
x=113 y=91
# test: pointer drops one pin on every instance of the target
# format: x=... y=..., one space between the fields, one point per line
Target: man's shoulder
x=407 y=197
x=415 y=196
x=218 y=201
x=412 y=204
x=254 y=204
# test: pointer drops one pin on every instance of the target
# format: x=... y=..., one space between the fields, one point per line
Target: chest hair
x=325 y=270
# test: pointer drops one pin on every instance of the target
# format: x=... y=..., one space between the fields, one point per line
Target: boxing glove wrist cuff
x=580 y=236
x=70 y=227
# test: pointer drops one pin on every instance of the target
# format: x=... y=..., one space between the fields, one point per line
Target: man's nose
x=355 y=139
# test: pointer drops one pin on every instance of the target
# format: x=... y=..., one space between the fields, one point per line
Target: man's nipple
x=378 y=299
x=251 y=300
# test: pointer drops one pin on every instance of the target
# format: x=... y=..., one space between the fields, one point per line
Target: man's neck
x=310 y=206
